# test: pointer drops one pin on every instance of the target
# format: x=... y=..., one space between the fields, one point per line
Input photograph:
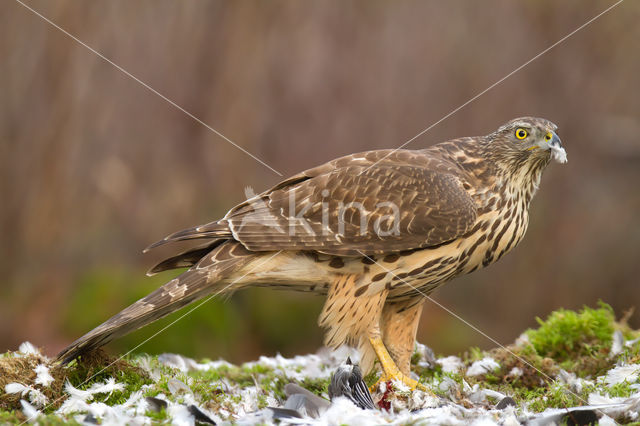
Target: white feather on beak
x=555 y=145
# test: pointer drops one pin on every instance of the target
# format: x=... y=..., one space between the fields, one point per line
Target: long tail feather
x=196 y=283
x=185 y=259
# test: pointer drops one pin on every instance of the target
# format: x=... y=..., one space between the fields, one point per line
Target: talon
x=391 y=371
x=408 y=381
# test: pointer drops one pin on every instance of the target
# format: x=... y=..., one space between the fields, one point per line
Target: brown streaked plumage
x=374 y=231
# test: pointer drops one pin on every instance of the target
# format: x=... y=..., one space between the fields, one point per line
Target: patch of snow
x=483 y=366
x=450 y=364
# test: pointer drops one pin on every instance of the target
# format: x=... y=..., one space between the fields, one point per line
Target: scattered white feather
x=298 y=367
x=515 y=372
x=16 y=388
x=419 y=400
x=623 y=373
x=176 y=387
x=43 y=377
x=107 y=387
x=35 y=396
x=450 y=364
x=607 y=421
x=631 y=343
x=180 y=415
x=479 y=395
x=617 y=344
x=148 y=365
x=616 y=406
x=343 y=411
x=483 y=366
x=576 y=384
x=38 y=398
x=248 y=400
x=522 y=340
x=241 y=405
x=73 y=405
x=401 y=387
x=447 y=384
x=29 y=411
x=27 y=348
x=186 y=364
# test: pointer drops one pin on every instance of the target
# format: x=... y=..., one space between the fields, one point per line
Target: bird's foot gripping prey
x=390 y=371
x=375 y=232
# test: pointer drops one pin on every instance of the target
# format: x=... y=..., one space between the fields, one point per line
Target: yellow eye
x=548 y=136
x=521 y=133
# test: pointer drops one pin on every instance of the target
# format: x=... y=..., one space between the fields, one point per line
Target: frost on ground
x=540 y=379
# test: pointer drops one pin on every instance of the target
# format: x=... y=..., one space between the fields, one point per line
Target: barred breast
x=501 y=224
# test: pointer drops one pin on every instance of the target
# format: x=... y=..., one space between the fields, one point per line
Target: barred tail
x=201 y=280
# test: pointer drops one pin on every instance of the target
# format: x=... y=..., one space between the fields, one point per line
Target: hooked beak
x=555 y=145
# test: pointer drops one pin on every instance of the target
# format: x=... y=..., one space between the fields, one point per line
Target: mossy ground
x=577 y=342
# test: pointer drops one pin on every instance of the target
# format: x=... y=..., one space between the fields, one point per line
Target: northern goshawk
x=375 y=232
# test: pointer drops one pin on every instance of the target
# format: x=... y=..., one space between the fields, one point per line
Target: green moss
x=83 y=376
x=574 y=341
x=158 y=416
x=16 y=417
x=11 y=417
x=317 y=386
x=623 y=390
x=475 y=354
x=372 y=378
x=566 y=334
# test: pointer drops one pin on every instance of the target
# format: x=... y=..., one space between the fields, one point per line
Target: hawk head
x=526 y=141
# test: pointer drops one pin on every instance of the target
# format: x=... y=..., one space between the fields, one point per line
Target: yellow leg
x=390 y=370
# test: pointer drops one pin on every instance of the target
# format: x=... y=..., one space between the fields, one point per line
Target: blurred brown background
x=94 y=167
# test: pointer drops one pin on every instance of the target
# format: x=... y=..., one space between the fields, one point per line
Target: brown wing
x=352 y=206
